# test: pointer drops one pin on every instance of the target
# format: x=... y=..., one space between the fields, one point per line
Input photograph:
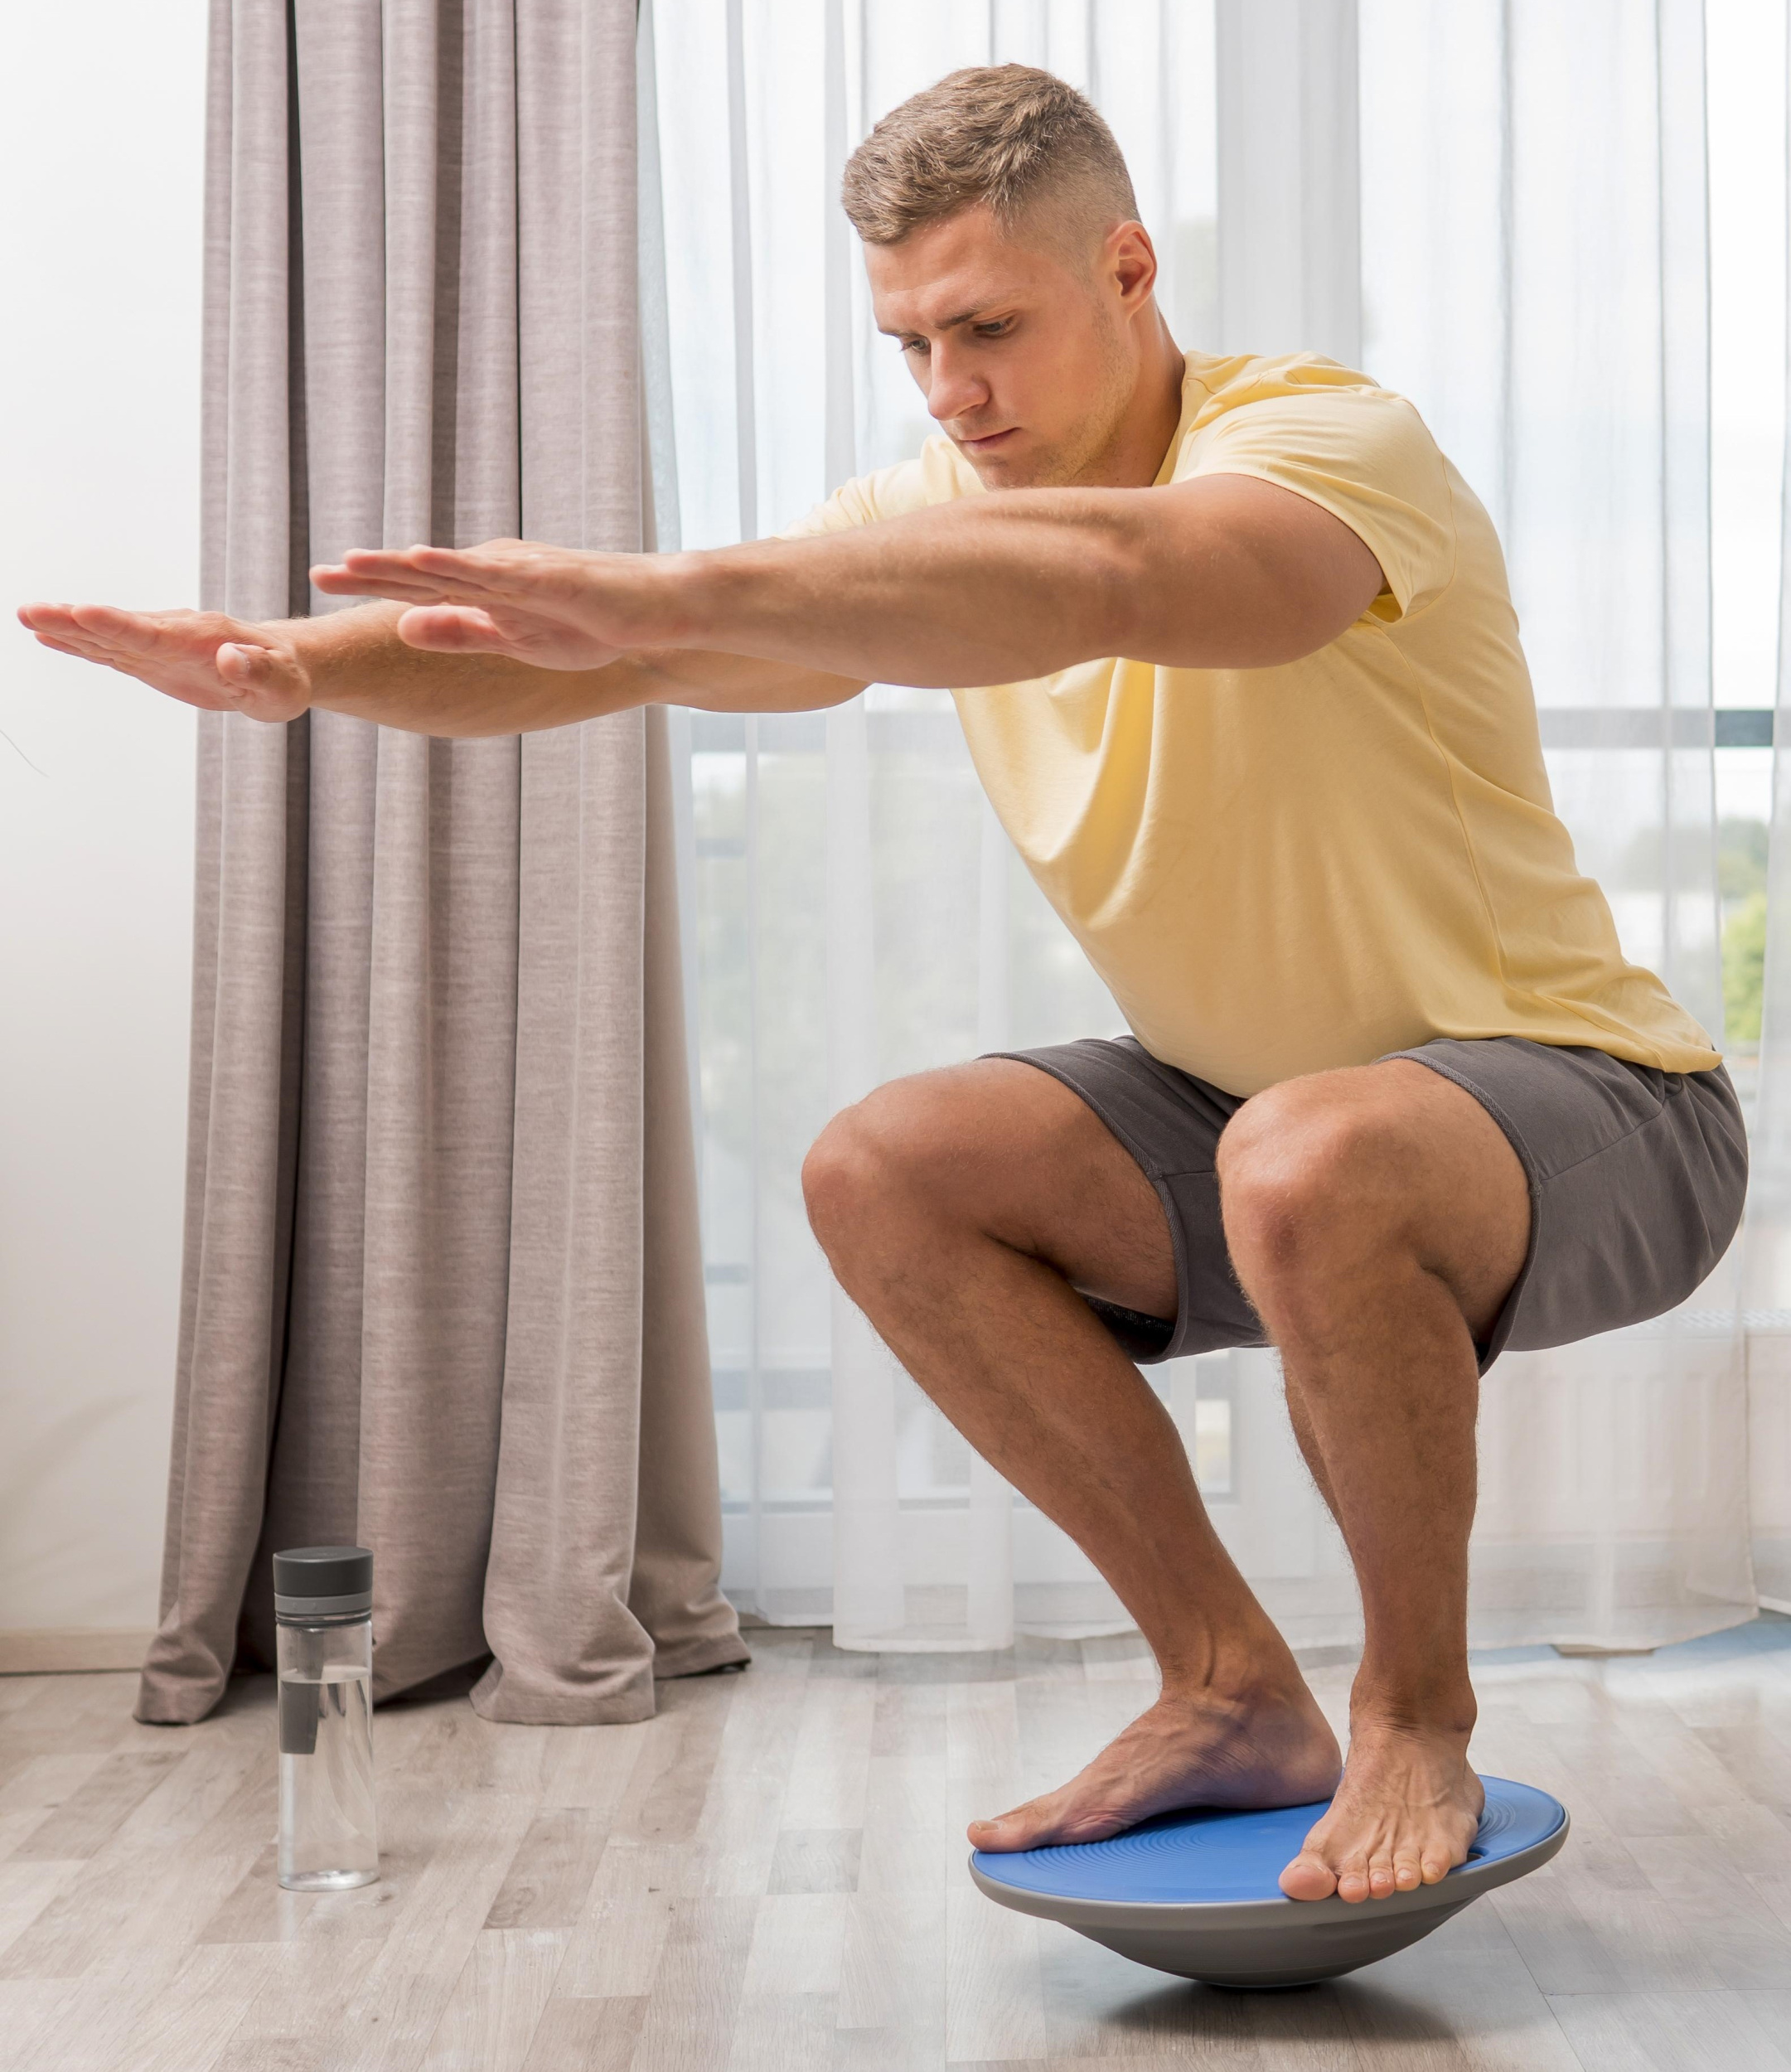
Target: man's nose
x=952 y=390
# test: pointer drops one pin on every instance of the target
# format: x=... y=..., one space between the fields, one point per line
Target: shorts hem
x=1174 y=1348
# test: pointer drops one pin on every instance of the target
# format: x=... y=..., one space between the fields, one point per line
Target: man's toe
x=1308 y=1877
x=1005 y=1831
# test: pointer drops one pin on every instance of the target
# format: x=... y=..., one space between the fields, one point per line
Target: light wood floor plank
x=591 y=1766
x=995 y=2000
x=591 y=2036
x=616 y=1946
x=495 y=2007
x=35 y=1785
x=689 y=2019
x=832 y=1754
x=784 y=2032
x=1668 y=2032
x=817 y=1860
x=26 y=1890
x=298 y=1991
x=893 y=1963
x=273 y=2053
x=797 y=1946
x=1469 y=2004
x=94 y=2028
x=91 y=1817
x=734 y=1842
x=1725 y=1915
x=123 y=1904
x=549 y=1876
x=176 y=2032
x=674 y=1760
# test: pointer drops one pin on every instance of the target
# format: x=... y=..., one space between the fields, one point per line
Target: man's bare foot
x=1272 y=1749
x=1404 y=1815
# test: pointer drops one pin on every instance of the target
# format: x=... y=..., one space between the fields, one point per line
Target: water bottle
x=323 y=1615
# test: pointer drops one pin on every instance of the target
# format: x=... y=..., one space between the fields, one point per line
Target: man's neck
x=1143 y=436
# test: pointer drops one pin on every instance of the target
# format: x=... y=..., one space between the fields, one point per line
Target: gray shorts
x=1637 y=1178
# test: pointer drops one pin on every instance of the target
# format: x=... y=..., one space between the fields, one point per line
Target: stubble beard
x=1082 y=459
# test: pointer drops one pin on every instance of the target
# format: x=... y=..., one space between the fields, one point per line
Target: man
x=1394 y=1100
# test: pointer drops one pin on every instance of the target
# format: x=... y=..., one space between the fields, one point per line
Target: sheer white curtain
x=1497 y=207
x=1766 y=1267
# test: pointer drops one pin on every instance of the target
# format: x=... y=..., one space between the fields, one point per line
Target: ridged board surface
x=1220 y=1858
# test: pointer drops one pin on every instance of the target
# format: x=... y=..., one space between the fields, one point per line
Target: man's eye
x=914 y=345
x=999 y=329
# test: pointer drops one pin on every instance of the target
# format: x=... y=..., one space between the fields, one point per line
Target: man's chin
x=1016 y=471
x=1032 y=468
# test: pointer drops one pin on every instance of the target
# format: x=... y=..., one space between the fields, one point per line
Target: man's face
x=1026 y=361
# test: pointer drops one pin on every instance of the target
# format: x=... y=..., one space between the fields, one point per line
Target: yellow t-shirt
x=1283 y=870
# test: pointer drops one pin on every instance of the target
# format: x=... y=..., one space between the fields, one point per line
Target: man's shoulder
x=1228 y=392
x=937 y=475
x=1301 y=408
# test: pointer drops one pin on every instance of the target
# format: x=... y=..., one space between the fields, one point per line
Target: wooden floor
x=770 y=1874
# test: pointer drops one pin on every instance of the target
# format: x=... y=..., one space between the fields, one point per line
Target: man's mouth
x=989 y=441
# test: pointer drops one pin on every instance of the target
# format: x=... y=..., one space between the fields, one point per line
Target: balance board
x=1195 y=1893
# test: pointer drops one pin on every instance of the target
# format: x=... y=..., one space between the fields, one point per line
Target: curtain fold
x=443 y=1291
x=1497 y=208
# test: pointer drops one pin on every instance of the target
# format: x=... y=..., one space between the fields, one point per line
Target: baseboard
x=36 y=1650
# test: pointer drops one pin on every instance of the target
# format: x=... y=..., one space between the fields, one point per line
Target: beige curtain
x=443 y=1289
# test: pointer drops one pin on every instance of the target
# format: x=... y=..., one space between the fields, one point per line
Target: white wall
x=101 y=148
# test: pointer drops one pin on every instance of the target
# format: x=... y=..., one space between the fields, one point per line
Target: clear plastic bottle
x=323 y=1615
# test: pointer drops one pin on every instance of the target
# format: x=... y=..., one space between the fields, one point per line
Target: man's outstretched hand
x=202 y=658
x=553 y=607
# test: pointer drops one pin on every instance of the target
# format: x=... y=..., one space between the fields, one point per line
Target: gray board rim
x=1463 y=1884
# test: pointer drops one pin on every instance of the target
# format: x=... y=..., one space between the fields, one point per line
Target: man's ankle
x=1239 y=1677
x=1386 y=1705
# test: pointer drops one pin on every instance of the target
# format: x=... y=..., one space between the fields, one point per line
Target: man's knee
x=857 y=1168
x=1306 y=1181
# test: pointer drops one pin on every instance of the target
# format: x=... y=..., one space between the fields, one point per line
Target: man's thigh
x=1015 y=1154
x=1637 y=1179
x=1165 y=1125
x=1337 y=1172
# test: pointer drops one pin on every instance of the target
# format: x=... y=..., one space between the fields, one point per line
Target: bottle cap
x=322 y=1582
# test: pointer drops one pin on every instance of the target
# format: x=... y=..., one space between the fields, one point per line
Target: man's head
x=1004 y=251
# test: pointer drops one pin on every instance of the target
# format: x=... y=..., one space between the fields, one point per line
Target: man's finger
x=242 y=662
x=58 y=619
x=451 y=629
x=127 y=629
x=467 y=572
x=502 y=566
x=399 y=589
x=447 y=575
x=144 y=637
x=74 y=642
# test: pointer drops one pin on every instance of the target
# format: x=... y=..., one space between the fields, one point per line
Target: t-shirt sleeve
x=1367 y=459
x=863 y=501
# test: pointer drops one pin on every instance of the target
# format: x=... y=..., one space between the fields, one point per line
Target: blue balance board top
x=1204 y=1856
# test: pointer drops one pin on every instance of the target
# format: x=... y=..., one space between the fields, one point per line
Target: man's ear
x=1131 y=261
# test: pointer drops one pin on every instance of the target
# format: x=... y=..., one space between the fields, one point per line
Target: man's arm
x=1222 y=572
x=355 y=662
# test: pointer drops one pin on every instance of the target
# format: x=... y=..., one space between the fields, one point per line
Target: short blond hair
x=1008 y=135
